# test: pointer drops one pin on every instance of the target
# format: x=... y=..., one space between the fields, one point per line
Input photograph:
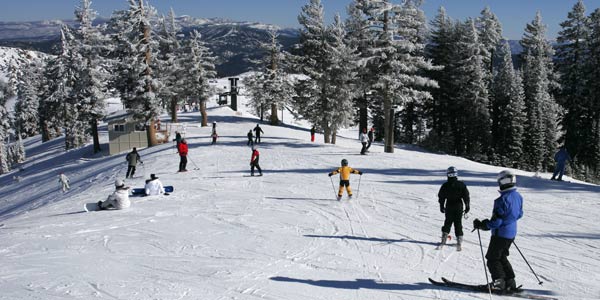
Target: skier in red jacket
x=182 y=148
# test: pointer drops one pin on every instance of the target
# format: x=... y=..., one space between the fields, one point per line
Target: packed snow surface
x=224 y=235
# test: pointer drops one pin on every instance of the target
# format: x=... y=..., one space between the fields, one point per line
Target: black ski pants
x=257 y=139
x=364 y=148
x=453 y=216
x=497 y=258
x=182 y=162
x=130 y=171
x=255 y=165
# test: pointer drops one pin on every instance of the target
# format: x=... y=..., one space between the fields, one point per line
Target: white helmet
x=506 y=179
x=119 y=183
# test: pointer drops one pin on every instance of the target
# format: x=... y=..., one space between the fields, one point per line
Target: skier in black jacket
x=451 y=196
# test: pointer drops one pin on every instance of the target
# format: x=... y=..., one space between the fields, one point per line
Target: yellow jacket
x=345 y=172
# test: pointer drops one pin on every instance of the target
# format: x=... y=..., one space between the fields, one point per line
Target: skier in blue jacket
x=508 y=208
x=561 y=157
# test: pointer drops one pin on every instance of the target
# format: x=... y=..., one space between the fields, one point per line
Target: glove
x=478 y=224
x=442 y=209
x=467 y=209
x=359 y=173
x=330 y=174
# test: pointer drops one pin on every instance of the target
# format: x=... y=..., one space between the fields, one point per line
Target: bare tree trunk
x=174 y=110
x=326 y=132
x=46 y=135
x=334 y=136
x=94 y=125
x=274 y=117
x=151 y=134
x=203 y=113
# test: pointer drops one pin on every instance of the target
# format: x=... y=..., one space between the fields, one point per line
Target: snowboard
x=142 y=191
x=253 y=175
x=483 y=288
x=91 y=206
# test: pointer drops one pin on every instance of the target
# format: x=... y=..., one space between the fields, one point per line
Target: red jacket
x=182 y=148
x=255 y=155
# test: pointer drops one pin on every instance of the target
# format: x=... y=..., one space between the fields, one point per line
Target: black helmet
x=344 y=162
x=452 y=172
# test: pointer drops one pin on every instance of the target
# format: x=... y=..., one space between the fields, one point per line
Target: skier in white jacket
x=364 y=139
x=64 y=181
x=154 y=186
x=119 y=199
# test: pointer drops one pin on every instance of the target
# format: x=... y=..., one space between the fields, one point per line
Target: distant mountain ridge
x=234 y=43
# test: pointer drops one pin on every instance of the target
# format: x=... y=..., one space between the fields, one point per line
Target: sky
x=514 y=14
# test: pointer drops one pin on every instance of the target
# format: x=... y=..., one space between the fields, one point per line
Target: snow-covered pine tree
x=593 y=140
x=311 y=101
x=539 y=81
x=508 y=111
x=139 y=85
x=200 y=66
x=572 y=59
x=5 y=127
x=90 y=87
x=26 y=108
x=472 y=130
x=170 y=70
x=271 y=84
x=342 y=73
x=359 y=37
x=58 y=80
x=439 y=109
x=398 y=55
x=490 y=35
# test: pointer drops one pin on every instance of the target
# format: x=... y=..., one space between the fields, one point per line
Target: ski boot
x=459 y=241
x=100 y=205
x=444 y=238
x=511 y=285
x=498 y=286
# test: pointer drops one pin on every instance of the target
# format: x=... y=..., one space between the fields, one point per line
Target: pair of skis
x=483 y=288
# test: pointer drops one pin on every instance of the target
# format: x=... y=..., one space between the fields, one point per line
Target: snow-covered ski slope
x=221 y=235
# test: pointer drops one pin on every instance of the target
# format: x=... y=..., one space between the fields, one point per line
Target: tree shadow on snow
x=357 y=284
x=371 y=239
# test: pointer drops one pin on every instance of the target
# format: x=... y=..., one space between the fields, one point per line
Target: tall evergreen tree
x=592 y=141
x=171 y=71
x=539 y=81
x=271 y=84
x=508 y=111
x=490 y=35
x=5 y=127
x=26 y=108
x=200 y=70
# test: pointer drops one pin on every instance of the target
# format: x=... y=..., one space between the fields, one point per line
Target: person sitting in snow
x=119 y=199
x=345 y=172
x=64 y=181
x=154 y=186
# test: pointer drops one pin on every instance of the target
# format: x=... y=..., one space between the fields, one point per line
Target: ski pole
x=193 y=163
x=358 y=189
x=332 y=186
x=483 y=260
x=536 y=277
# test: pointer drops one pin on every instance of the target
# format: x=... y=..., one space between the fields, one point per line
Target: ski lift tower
x=233 y=92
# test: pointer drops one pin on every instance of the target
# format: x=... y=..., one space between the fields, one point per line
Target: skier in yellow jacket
x=344 y=172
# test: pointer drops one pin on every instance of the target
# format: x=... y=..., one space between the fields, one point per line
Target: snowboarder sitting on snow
x=132 y=159
x=451 y=196
x=119 y=199
x=254 y=162
x=561 y=157
x=344 y=172
x=154 y=186
x=508 y=208
x=250 y=142
x=182 y=148
x=64 y=181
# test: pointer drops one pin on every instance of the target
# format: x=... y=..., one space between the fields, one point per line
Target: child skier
x=250 y=136
x=132 y=158
x=64 y=181
x=344 y=172
x=254 y=162
x=182 y=149
x=451 y=196
x=364 y=139
x=508 y=209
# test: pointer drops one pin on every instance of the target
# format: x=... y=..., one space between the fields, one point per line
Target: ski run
x=223 y=235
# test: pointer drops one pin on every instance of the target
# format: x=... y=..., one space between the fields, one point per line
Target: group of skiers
x=507 y=210
x=453 y=197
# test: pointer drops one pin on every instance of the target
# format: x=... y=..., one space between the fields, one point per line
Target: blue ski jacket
x=508 y=208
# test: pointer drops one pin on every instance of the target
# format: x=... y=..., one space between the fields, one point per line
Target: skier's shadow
x=357 y=284
x=371 y=239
